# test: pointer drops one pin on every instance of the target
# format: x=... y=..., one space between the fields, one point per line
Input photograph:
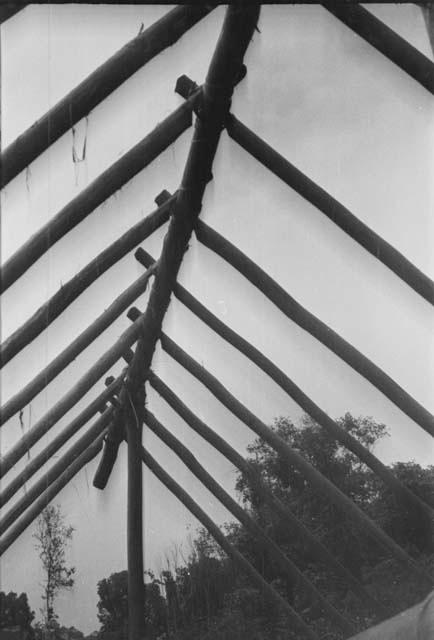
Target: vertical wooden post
x=136 y=588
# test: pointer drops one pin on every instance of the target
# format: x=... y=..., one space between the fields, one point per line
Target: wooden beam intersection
x=411 y=502
x=281 y=561
x=323 y=201
x=55 y=444
x=292 y=457
x=86 y=382
x=249 y=471
x=227 y=547
x=223 y=74
x=104 y=186
x=75 y=348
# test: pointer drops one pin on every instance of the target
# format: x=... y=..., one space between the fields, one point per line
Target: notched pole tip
x=184 y=87
x=133 y=314
x=162 y=197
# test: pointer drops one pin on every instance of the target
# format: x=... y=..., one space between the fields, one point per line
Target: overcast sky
x=337 y=109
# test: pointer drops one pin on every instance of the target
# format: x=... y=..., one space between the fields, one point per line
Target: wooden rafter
x=283 y=562
x=57 y=442
x=54 y=472
x=410 y=501
x=313 y=325
x=104 y=186
x=70 y=291
x=254 y=477
x=96 y=87
x=385 y=40
x=77 y=346
x=223 y=74
x=67 y=401
x=323 y=201
x=291 y=456
x=49 y=494
x=230 y=550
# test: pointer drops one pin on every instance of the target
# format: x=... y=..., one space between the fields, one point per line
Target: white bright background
x=336 y=108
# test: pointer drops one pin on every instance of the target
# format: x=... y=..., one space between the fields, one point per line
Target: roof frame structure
x=124 y=419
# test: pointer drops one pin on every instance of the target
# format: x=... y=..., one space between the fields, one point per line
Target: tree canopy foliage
x=52 y=537
x=15 y=611
x=206 y=598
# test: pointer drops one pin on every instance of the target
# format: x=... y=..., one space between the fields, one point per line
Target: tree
x=113 y=602
x=207 y=599
x=52 y=537
x=113 y=605
x=384 y=577
x=15 y=611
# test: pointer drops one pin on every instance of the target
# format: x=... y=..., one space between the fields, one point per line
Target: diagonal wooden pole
x=385 y=40
x=74 y=349
x=96 y=87
x=313 y=325
x=55 y=471
x=105 y=185
x=70 y=290
x=56 y=443
x=223 y=74
x=51 y=492
x=248 y=470
x=292 y=457
x=410 y=501
x=237 y=558
x=69 y=399
x=323 y=201
x=285 y=564
x=334 y=210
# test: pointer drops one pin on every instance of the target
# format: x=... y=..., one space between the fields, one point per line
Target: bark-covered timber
x=267 y=497
x=224 y=72
x=292 y=572
x=51 y=492
x=132 y=412
x=227 y=547
x=60 y=362
x=313 y=325
x=104 y=186
x=408 y=499
x=70 y=291
x=334 y=210
x=53 y=473
x=96 y=87
x=293 y=458
x=55 y=444
x=385 y=40
x=86 y=382
x=324 y=202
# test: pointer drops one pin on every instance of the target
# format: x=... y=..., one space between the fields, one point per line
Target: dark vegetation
x=202 y=596
x=205 y=598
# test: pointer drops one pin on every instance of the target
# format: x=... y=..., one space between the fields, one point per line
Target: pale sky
x=338 y=110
